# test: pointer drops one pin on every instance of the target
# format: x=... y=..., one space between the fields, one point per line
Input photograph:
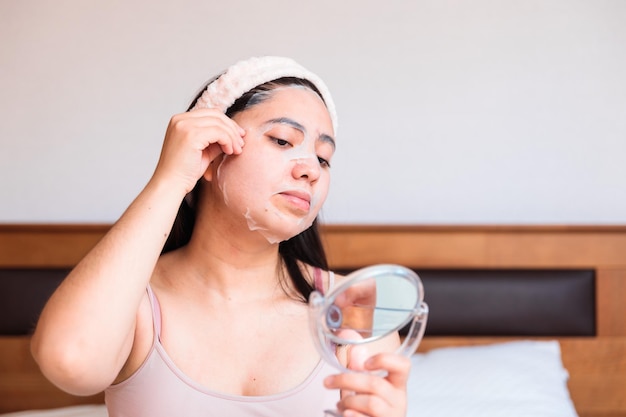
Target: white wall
x=451 y=111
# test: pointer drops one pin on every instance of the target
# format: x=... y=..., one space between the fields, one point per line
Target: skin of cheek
x=303 y=153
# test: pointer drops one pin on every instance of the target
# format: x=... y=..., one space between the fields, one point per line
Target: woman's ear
x=211 y=171
x=208 y=174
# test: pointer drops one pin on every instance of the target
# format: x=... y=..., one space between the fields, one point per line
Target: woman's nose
x=308 y=168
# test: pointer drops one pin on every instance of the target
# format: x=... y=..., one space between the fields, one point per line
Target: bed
x=525 y=320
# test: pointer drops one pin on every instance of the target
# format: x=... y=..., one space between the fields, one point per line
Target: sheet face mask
x=297 y=155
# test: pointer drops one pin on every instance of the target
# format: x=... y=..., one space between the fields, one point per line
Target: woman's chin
x=280 y=233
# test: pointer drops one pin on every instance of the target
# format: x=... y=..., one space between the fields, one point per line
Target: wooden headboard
x=597 y=364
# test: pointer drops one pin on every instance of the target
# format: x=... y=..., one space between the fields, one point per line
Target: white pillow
x=523 y=378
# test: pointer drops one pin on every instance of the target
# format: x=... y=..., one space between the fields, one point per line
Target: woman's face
x=280 y=180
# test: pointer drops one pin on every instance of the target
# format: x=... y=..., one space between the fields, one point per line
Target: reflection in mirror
x=371 y=308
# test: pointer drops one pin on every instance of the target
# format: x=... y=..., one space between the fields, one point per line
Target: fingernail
x=328 y=381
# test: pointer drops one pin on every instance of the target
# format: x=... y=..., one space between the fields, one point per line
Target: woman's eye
x=323 y=162
x=281 y=142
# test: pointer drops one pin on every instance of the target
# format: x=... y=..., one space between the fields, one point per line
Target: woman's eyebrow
x=327 y=139
x=287 y=121
x=290 y=122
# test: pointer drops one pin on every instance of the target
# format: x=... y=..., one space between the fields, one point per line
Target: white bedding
x=524 y=378
x=516 y=379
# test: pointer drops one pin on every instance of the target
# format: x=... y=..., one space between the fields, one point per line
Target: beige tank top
x=159 y=389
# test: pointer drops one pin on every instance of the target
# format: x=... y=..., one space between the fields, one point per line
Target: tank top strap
x=156 y=311
x=319 y=282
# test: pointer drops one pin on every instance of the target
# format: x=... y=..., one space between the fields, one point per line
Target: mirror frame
x=326 y=340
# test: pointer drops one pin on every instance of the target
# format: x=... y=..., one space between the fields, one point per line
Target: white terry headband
x=245 y=75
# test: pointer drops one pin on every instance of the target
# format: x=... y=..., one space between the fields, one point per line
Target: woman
x=194 y=303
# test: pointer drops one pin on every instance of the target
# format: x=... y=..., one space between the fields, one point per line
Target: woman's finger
x=207 y=114
x=398 y=367
x=368 y=406
x=206 y=130
x=360 y=382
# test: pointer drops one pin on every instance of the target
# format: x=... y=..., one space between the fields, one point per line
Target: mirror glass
x=371 y=308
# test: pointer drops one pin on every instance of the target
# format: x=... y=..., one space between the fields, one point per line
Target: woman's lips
x=298 y=199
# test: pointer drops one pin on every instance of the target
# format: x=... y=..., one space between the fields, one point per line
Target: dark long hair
x=305 y=247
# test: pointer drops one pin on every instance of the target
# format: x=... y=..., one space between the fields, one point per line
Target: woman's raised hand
x=192 y=141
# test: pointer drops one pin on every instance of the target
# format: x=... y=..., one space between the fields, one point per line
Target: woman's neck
x=235 y=265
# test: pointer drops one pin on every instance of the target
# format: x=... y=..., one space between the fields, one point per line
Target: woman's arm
x=86 y=330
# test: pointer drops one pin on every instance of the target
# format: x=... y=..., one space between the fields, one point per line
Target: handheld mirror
x=368 y=305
